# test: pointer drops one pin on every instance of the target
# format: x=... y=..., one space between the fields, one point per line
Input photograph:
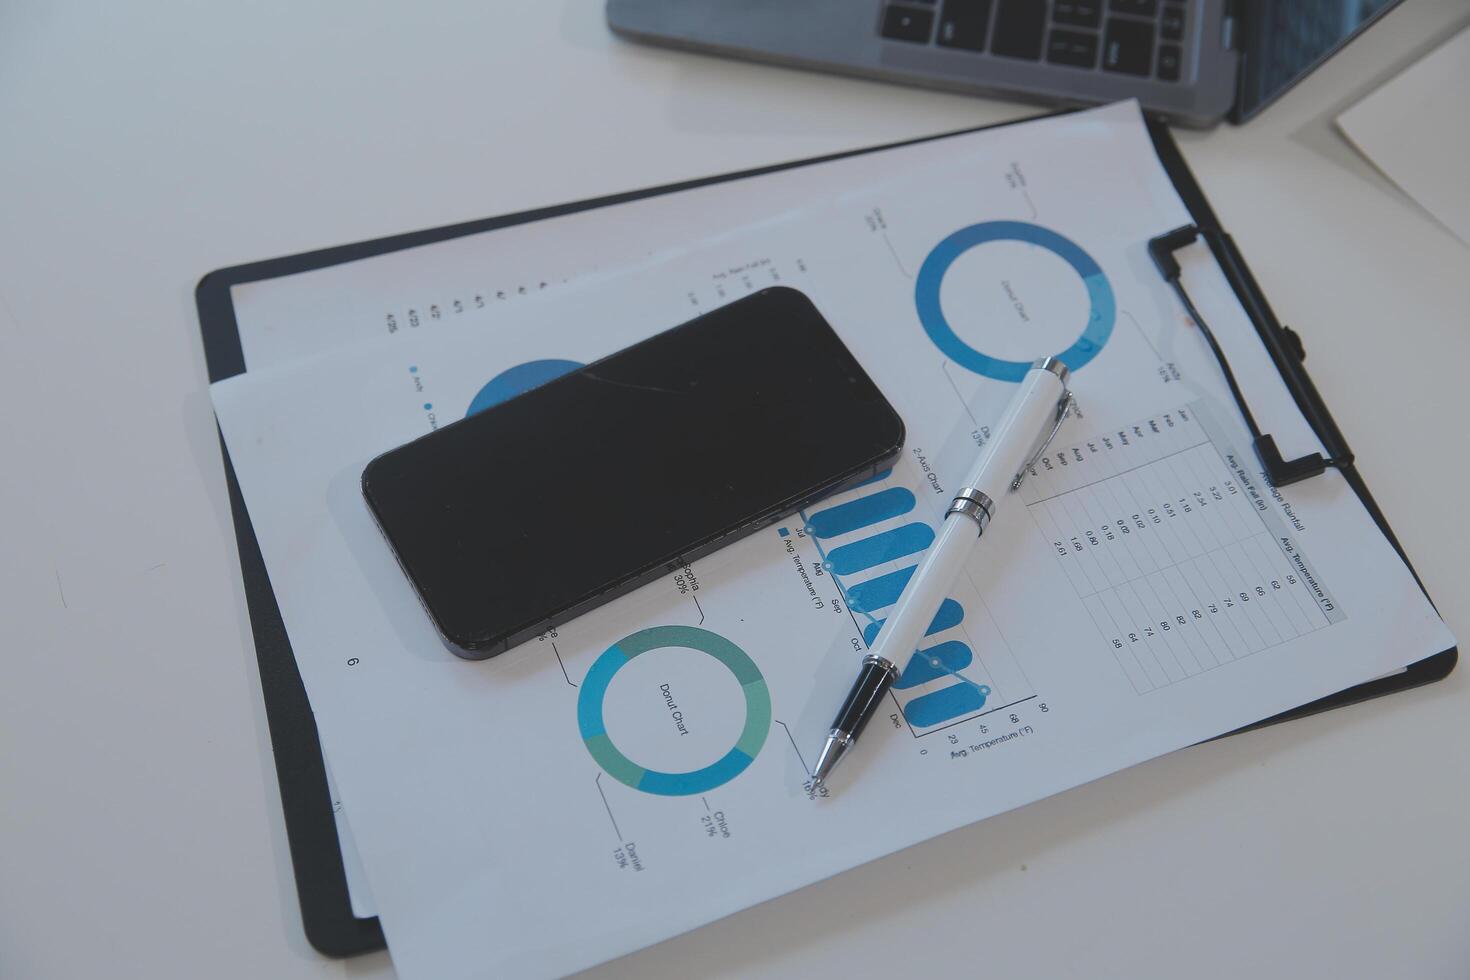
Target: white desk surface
x=142 y=145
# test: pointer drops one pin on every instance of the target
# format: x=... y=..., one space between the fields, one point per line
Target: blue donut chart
x=927 y=286
x=517 y=380
x=593 y=727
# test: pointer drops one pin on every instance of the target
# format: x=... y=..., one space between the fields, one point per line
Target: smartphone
x=535 y=510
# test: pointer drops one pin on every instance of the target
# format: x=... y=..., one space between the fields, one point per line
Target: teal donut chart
x=625 y=770
x=1094 y=335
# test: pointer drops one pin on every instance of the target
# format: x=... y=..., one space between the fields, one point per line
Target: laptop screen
x=1286 y=39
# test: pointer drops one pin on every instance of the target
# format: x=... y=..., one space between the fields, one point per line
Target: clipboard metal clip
x=1279 y=470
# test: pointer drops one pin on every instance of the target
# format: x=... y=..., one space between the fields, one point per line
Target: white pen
x=1031 y=420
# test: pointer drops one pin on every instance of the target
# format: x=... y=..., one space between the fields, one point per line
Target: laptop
x=1191 y=62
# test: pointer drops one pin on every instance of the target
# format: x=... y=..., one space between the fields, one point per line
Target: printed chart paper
x=481 y=277
x=644 y=769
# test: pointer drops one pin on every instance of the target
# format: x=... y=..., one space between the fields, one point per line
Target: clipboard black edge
x=316 y=853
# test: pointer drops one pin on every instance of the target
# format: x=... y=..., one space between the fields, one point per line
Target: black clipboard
x=316 y=854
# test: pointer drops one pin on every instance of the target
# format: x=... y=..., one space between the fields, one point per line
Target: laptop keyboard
x=1129 y=37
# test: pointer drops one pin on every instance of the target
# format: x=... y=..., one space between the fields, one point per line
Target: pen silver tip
x=832 y=752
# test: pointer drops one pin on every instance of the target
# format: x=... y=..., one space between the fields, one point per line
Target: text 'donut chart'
x=1175 y=547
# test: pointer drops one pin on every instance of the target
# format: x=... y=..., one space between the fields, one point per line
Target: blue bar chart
x=871 y=540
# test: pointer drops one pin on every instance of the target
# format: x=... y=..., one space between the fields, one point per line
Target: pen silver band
x=1053 y=364
x=843 y=739
x=972 y=503
x=883 y=662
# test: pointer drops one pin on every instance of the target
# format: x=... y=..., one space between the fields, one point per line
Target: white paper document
x=644 y=769
x=482 y=276
x=1416 y=129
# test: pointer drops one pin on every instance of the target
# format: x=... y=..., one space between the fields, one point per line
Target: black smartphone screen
x=537 y=509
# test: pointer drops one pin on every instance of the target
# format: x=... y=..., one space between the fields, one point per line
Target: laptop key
x=1171 y=24
x=907 y=24
x=1072 y=48
x=1077 y=13
x=1146 y=8
x=963 y=24
x=1020 y=27
x=1169 y=60
x=1128 y=47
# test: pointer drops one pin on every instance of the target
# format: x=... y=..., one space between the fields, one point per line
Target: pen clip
x=1064 y=408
